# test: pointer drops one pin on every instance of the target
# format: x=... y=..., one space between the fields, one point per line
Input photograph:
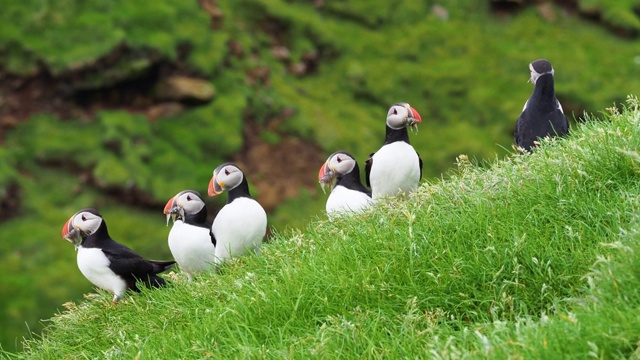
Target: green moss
x=69 y=33
x=622 y=14
x=112 y=172
x=46 y=139
x=7 y=168
x=270 y=137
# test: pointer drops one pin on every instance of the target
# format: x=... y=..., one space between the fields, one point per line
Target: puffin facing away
x=395 y=168
x=105 y=263
x=242 y=223
x=347 y=193
x=542 y=114
x=190 y=239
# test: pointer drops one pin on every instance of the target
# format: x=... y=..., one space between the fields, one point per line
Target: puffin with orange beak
x=106 y=263
x=396 y=168
x=190 y=239
x=241 y=224
x=342 y=173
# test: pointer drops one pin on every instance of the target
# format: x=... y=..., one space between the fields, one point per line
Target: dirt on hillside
x=282 y=167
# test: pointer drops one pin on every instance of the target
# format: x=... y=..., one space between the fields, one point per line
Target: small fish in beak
x=172 y=209
x=326 y=176
x=414 y=118
x=74 y=236
x=173 y=213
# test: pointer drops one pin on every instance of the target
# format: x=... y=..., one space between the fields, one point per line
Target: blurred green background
x=120 y=105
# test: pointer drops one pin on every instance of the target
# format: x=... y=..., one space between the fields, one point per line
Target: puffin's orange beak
x=415 y=115
x=326 y=175
x=71 y=234
x=66 y=228
x=214 y=188
x=169 y=209
x=170 y=204
x=323 y=171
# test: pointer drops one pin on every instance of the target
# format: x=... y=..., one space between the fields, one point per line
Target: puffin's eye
x=84 y=218
x=188 y=197
x=339 y=159
x=395 y=112
x=227 y=172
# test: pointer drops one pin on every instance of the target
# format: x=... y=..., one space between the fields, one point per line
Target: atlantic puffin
x=397 y=167
x=542 y=114
x=190 y=240
x=348 y=194
x=242 y=223
x=104 y=262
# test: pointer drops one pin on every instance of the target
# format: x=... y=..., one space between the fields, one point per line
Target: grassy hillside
x=532 y=256
x=86 y=118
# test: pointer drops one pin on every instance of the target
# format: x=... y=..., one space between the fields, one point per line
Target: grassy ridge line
x=490 y=263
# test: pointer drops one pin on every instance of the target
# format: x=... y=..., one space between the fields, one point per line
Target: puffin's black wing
x=133 y=267
x=420 y=162
x=367 y=169
x=519 y=133
x=528 y=131
x=213 y=238
x=562 y=125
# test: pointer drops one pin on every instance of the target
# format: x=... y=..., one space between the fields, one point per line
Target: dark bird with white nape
x=396 y=168
x=106 y=263
x=542 y=114
x=190 y=240
x=241 y=224
x=348 y=195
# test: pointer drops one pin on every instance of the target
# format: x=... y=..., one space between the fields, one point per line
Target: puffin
x=106 y=263
x=396 y=167
x=242 y=222
x=348 y=194
x=190 y=240
x=542 y=114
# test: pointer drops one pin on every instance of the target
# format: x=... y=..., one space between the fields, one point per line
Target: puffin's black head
x=225 y=177
x=82 y=224
x=338 y=164
x=540 y=67
x=186 y=202
x=401 y=115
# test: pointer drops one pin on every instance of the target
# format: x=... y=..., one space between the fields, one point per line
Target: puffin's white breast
x=239 y=227
x=191 y=247
x=395 y=169
x=343 y=200
x=94 y=265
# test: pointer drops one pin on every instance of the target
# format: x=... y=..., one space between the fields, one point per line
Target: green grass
x=533 y=256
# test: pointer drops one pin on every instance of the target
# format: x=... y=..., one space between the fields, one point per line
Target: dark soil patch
x=9 y=201
x=281 y=170
x=277 y=170
x=108 y=83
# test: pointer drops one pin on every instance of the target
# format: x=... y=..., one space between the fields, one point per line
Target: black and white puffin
x=104 y=262
x=542 y=114
x=396 y=167
x=242 y=223
x=347 y=192
x=190 y=239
